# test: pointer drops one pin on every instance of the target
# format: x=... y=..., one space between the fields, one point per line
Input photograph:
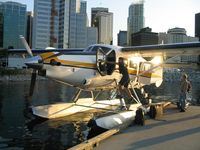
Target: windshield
x=96 y=47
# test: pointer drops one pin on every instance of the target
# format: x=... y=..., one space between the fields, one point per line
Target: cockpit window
x=106 y=49
x=95 y=48
x=88 y=49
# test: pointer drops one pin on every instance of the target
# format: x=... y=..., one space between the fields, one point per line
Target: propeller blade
x=26 y=46
x=33 y=80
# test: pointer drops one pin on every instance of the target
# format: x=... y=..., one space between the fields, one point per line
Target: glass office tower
x=135 y=18
x=14 y=23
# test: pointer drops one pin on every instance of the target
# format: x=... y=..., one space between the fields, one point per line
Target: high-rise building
x=144 y=37
x=95 y=11
x=135 y=18
x=122 y=38
x=45 y=24
x=197 y=25
x=13 y=20
x=68 y=15
x=81 y=26
x=60 y=23
x=105 y=30
x=103 y=20
x=73 y=25
x=175 y=35
x=91 y=35
x=72 y=9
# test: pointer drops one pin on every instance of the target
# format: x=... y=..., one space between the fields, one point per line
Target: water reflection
x=18 y=124
x=1 y=99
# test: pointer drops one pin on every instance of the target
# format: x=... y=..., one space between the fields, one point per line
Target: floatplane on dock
x=90 y=70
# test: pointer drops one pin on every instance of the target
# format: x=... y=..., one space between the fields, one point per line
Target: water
x=16 y=128
x=52 y=134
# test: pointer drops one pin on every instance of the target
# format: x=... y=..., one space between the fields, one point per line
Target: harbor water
x=19 y=131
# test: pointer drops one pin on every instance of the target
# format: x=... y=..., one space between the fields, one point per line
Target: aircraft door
x=145 y=73
x=150 y=73
x=105 y=59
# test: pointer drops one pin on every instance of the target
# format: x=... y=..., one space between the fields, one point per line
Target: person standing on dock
x=125 y=80
x=184 y=89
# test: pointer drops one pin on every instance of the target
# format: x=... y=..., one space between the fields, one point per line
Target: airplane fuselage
x=88 y=69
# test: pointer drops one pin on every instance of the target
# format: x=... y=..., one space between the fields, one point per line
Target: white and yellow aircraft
x=95 y=69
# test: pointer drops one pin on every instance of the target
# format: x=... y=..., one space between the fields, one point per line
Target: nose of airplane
x=34 y=62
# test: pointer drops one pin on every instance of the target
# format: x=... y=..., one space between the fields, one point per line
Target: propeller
x=26 y=45
x=34 y=72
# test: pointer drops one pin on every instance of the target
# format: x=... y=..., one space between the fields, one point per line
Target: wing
x=38 y=51
x=167 y=50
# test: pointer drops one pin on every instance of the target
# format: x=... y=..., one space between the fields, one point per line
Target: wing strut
x=76 y=96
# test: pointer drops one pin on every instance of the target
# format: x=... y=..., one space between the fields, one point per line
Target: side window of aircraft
x=133 y=65
x=145 y=66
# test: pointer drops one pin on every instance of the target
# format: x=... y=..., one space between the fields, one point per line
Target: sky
x=160 y=15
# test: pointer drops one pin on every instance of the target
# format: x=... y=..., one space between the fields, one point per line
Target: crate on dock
x=156 y=109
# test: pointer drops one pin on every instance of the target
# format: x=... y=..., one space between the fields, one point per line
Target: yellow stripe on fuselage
x=146 y=74
x=47 y=58
x=46 y=55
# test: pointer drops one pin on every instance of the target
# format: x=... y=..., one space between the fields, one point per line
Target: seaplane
x=95 y=69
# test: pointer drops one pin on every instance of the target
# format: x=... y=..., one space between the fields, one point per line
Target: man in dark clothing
x=125 y=80
x=124 y=71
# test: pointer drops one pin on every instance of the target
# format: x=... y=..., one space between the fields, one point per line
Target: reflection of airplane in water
x=95 y=69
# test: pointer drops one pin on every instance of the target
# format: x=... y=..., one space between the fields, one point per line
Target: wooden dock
x=173 y=130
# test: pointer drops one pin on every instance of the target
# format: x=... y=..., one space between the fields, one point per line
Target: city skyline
x=160 y=16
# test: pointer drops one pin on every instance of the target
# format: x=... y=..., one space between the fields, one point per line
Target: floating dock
x=172 y=130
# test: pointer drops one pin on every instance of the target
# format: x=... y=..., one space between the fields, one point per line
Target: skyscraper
x=197 y=25
x=45 y=24
x=73 y=25
x=135 y=18
x=60 y=23
x=13 y=21
x=81 y=26
x=103 y=20
x=95 y=11
x=71 y=11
